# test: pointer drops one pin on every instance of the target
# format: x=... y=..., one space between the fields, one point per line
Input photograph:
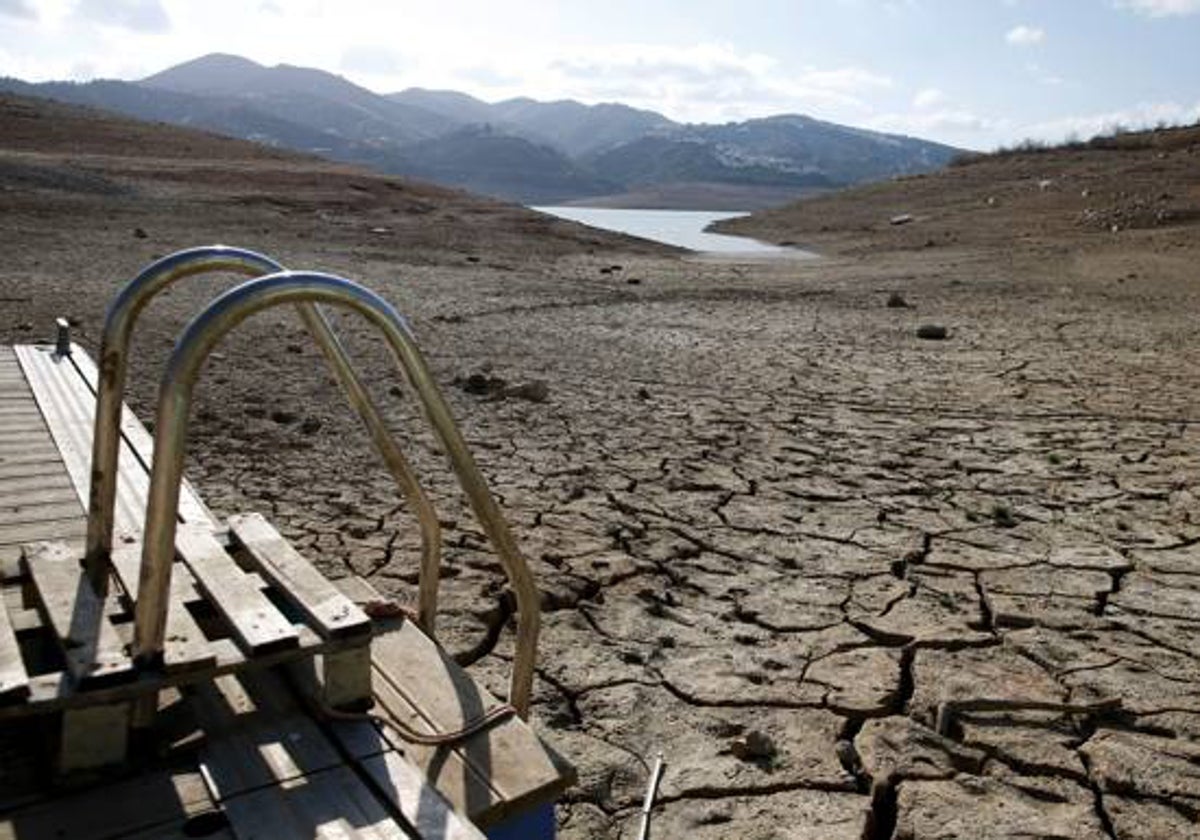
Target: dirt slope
x=1144 y=186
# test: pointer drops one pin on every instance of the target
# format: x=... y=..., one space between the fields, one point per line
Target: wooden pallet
x=243 y=601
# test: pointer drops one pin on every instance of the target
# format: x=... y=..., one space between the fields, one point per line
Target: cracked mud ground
x=852 y=584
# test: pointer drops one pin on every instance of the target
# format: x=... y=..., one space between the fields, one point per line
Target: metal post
x=174 y=404
x=62 y=338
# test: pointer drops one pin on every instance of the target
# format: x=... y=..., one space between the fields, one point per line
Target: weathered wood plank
x=421 y=805
x=57 y=529
x=154 y=803
x=258 y=625
x=90 y=645
x=39 y=511
x=331 y=805
x=53 y=692
x=255 y=735
x=20 y=485
x=140 y=445
x=41 y=452
x=69 y=407
x=517 y=765
x=14 y=680
x=330 y=612
x=460 y=781
x=23 y=437
x=504 y=768
x=48 y=465
x=185 y=647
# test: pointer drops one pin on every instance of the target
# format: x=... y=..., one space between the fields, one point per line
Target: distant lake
x=684 y=228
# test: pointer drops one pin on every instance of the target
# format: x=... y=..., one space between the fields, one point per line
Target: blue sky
x=975 y=73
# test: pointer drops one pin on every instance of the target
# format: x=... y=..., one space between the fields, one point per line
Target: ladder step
x=94 y=652
x=331 y=613
x=185 y=647
x=257 y=624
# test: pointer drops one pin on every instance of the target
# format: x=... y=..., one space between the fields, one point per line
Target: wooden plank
x=421 y=805
x=48 y=465
x=154 y=803
x=93 y=651
x=331 y=805
x=23 y=436
x=14 y=681
x=460 y=781
x=13 y=485
x=22 y=492
x=69 y=408
x=54 y=692
x=504 y=769
x=329 y=611
x=517 y=765
x=255 y=735
x=57 y=529
x=185 y=647
x=38 y=453
x=35 y=511
x=257 y=624
x=140 y=445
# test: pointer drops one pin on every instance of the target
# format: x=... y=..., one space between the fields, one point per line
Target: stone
x=536 y=391
x=932 y=332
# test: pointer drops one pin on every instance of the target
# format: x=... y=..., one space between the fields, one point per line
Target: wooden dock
x=247 y=755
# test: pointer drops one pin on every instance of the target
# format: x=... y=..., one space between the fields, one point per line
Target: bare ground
x=775 y=530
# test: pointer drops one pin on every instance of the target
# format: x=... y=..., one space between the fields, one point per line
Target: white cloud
x=1161 y=8
x=702 y=82
x=942 y=122
x=138 y=15
x=928 y=98
x=1025 y=36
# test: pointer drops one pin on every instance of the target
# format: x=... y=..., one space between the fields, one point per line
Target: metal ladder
x=271 y=286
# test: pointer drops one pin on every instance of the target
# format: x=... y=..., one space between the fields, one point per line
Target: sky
x=974 y=73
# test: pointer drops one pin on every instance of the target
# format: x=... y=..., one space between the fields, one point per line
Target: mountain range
x=519 y=149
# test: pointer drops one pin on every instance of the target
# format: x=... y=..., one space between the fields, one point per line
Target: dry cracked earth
x=854 y=585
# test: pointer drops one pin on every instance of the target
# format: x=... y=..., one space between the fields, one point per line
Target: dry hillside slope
x=1145 y=185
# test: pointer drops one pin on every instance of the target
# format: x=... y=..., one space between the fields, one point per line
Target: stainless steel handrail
x=175 y=397
x=114 y=355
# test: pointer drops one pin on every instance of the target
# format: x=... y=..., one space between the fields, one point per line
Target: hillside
x=518 y=149
x=1110 y=187
x=69 y=164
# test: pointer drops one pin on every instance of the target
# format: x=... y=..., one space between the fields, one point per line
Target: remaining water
x=685 y=228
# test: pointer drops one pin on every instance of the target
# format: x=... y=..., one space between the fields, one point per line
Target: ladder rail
x=119 y=324
x=174 y=404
